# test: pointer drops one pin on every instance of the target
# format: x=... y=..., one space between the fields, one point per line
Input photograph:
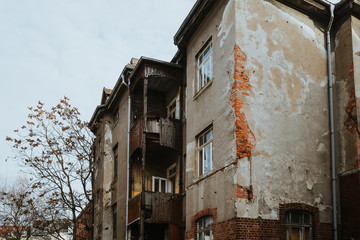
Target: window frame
x=302 y=225
x=116 y=161
x=168 y=185
x=200 y=231
x=116 y=117
x=201 y=82
x=201 y=160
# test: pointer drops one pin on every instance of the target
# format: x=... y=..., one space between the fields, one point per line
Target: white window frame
x=204 y=66
x=202 y=229
x=173 y=108
x=205 y=165
x=160 y=179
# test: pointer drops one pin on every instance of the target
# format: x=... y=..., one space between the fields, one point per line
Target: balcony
x=160 y=208
x=166 y=130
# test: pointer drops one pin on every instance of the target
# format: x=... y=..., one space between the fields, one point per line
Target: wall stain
x=245 y=139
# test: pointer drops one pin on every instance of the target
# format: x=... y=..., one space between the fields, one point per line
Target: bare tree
x=55 y=146
x=17 y=210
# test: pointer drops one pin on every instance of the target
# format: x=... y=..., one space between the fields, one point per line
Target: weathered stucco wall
x=108 y=177
x=286 y=108
x=269 y=109
x=119 y=136
x=98 y=183
x=211 y=106
x=111 y=190
x=345 y=104
x=103 y=164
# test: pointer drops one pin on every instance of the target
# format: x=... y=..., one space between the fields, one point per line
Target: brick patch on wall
x=350 y=205
x=257 y=228
x=244 y=192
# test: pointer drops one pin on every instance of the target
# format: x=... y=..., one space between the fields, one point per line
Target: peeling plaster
x=356 y=50
x=321 y=147
x=242 y=176
x=227 y=22
x=278 y=63
x=190 y=150
x=287 y=72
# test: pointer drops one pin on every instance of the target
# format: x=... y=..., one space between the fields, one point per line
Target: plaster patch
x=321 y=147
x=108 y=134
x=190 y=146
x=242 y=176
x=356 y=50
x=309 y=184
x=227 y=22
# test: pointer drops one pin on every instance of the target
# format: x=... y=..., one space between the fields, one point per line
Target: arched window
x=298 y=225
x=205 y=228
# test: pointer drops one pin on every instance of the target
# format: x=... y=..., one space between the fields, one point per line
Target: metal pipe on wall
x=331 y=120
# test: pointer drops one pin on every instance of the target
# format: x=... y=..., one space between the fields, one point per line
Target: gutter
x=331 y=120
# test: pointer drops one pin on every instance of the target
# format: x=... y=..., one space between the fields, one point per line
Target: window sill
x=197 y=94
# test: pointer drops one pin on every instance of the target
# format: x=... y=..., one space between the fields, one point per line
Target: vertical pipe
x=142 y=211
x=331 y=119
x=128 y=165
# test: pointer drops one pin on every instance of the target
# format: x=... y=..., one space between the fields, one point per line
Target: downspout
x=331 y=119
x=128 y=164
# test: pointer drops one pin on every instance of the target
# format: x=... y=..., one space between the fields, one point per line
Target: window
x=172 y=109
x=205 y=228
x=171 y=176
x=115 y=118
x=161 y=185
x=114 y=210
x=204 y=67
x=115 y=151
x=205 y=152
x=171 y=171
x=298 y=225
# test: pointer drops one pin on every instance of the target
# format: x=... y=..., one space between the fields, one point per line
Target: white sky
x=74 y=48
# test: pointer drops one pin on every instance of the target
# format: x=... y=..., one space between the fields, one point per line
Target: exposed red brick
x=245 y=139
x=243 y=192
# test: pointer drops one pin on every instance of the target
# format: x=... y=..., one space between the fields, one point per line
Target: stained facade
x=233 y=138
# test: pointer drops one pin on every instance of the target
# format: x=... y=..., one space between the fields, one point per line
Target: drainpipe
x=331 y=119
x=128 y=164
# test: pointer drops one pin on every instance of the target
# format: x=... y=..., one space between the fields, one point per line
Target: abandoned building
x=250 y=132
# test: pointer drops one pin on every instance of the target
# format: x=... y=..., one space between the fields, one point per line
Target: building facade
x=237 y=137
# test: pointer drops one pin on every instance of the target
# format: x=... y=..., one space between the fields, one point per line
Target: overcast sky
x=74 y=48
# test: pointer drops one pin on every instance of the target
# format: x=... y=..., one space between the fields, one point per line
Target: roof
x=106 y=104
x=143 y=60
